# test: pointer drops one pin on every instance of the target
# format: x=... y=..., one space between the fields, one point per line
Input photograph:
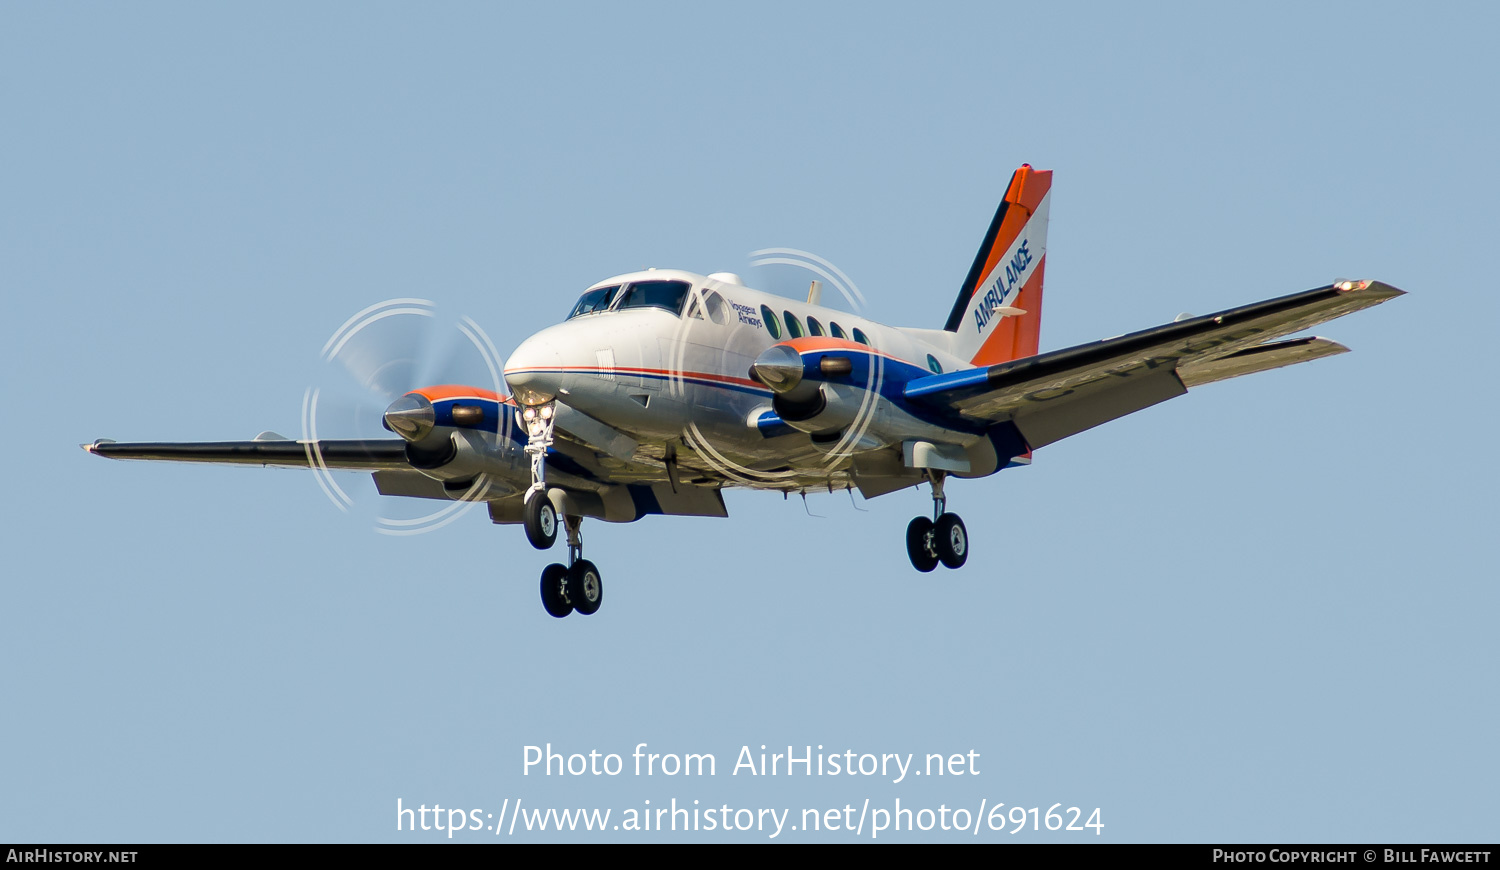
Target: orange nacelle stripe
x=457 y=391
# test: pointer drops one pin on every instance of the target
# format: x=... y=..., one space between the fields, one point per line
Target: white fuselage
x=665 y=378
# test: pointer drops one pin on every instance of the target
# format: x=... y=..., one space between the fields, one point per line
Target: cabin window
x=666 y=295
x=814 y=327
x=793 y=325
x=932 y=363
x=836 y=330
x=594 y=300
x=860 y=337
x=772 y=325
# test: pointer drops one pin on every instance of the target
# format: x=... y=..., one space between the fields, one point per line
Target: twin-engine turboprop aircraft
x=664 y=387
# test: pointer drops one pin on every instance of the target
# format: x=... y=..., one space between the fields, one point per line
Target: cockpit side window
x=714 y=303
x=594 y=300
x=667 y=295
x=706 y=305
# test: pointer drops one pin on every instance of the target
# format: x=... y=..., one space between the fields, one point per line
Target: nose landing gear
x=539 y=516
x=941 y=539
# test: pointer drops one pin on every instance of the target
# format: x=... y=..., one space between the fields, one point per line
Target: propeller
x=383 y=352
x=373 y=363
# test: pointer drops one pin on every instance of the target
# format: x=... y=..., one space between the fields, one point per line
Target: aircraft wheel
x=554 y=598
x=919 y=542
x=540 y=519
x=585 y=588
x=951 y=540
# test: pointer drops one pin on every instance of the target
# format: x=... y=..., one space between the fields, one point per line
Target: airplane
x=662 y=388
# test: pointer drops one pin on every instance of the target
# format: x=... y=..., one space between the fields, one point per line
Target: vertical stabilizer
x=998 y=314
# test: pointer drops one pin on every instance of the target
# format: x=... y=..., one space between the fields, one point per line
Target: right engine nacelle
x=821 y=409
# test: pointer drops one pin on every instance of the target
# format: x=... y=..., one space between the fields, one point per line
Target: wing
x=1053 y=395
x=333 y=454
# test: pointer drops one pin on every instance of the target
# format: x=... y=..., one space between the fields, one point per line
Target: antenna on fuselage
x=815 y=293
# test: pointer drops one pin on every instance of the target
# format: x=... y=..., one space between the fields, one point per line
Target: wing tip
x=1378 y=289
x=93 y=446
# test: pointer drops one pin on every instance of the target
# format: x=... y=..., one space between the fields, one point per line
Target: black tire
x=540 y=519
x=585 y=587
x=554 y=599
x=951 y=540
x=919 y=546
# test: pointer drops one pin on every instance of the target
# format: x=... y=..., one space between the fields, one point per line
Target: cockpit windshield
x=668 y=295
x=594 y=300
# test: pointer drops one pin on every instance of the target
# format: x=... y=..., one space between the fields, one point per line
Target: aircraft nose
x=534 y=371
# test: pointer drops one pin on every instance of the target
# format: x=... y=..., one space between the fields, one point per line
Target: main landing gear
x=940 y=539
x=575 y=586
x=565 y=588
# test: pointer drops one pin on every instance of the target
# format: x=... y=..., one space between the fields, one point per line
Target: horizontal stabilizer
x=1060 y=393
x=1261 y=358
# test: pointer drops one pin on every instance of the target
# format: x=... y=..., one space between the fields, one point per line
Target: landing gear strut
x=538 y=515
x=940 y=539
x=565 y=588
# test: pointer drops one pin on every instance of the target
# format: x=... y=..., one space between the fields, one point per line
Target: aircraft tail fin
x=998 y=313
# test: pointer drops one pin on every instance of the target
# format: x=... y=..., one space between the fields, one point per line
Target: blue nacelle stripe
x=897 y=378
x=947 y=383
x=489 y=422
x=771 y=425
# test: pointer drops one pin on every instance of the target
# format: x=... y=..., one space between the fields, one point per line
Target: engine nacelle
x=457 y=438
x=824 y=410
x=457 y=456
x=848 y=398
x=816 y=392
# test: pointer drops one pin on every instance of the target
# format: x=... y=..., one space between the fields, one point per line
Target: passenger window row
x=794 y=326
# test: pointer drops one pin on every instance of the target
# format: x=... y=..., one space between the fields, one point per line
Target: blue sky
x=1262 y=612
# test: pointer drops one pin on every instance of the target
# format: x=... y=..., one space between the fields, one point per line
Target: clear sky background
x=1261 y=612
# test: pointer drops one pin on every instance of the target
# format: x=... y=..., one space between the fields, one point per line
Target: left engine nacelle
x=456 y=439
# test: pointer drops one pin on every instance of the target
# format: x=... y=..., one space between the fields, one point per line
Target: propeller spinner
x=411 y=416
